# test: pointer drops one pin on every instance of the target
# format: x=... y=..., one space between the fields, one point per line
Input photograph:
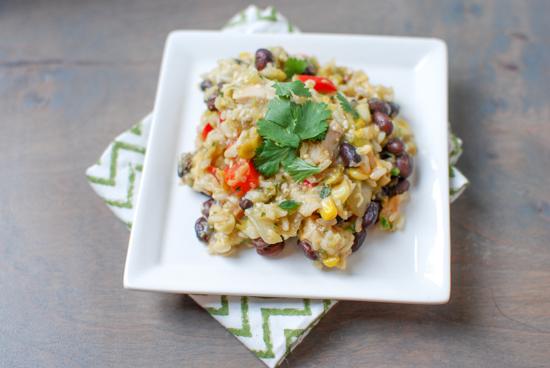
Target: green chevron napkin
x=269 y=327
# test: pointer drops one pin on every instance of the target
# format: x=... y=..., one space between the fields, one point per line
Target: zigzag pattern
x=270 y=331
x=128 y=202
x=291 y=335
x=115 y=165
x=116 y=148
x=244 y=331
x=268 y=353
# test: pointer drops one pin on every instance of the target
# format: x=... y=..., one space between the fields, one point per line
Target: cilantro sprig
x=269 y=157
x=295 y=66
x=299 y=169
x=346 y=106
x=283 y=128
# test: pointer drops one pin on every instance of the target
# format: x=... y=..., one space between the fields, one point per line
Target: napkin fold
x=269 y=327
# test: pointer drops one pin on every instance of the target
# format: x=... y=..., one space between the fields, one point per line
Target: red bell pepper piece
x=241 y=176
x=309 y=184
x=322 y=84
x=206 y=130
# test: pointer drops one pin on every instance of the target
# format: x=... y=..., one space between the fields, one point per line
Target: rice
x=328 y=210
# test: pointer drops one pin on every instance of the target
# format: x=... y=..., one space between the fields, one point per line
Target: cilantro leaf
x=385 y=224
x=325 y=191
x=346 y=106
x=289 y=88
x=269 y=157
x=279 y=111
x=278 y=134
x=313 y=121
x=299 y=169
x=289 y=205
x=291 y=156
x=294 y=66
x=279 y=123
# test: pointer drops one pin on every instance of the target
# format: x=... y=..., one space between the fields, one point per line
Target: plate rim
x=132 y=280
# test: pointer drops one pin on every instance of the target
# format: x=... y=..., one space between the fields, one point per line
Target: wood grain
x=74 y=74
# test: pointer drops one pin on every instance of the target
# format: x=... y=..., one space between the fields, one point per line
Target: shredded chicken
x=255 y=91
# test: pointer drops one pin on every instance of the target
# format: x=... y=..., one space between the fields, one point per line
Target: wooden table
x=73 y=74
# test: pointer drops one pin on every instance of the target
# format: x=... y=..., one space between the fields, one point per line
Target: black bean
x=381 y=195
x=384 y=122
x=184 y=164
x=395 y=146
x=349 y=155
x=399 y=188
x=206 y=207
x=205 y=84
x=305 y=245
x=393 y=182
x=394 y=109
x=245 y=203
x=389 y=190
x=238 y=61
x=181 y=170
x=371 y=214
x=359 y=239
x=220 y=85
x=263 y=57
x=402 y=186
x=310 y=70
x=376 y=104
x=202 y=230
x=405 y=165
x=211 y=103
x=264 y=249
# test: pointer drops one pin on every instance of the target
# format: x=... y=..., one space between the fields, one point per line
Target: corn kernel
x=360 y=123
x=364 y=112
x=357 y=174
x=274 y=74
x=360 y=136
x=342 y=191
x=331 y=262
x=335 y=176
x=328 y=209
x=248 y=148
x=245 y=55
x=326 y=99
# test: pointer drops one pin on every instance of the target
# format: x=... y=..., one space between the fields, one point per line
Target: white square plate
x=411 y=266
